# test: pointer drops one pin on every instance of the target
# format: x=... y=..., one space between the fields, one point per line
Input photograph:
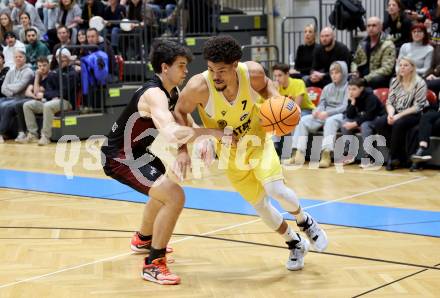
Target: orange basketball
x=279 y=115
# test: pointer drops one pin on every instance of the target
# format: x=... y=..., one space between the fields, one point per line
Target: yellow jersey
x=241 y=115
x=295 y=88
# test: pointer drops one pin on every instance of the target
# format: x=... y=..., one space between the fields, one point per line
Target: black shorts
x=139 y=177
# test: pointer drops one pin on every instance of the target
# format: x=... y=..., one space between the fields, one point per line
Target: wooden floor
x=54 y=245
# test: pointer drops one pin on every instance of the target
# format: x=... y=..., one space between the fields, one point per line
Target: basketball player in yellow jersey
x=226 y=96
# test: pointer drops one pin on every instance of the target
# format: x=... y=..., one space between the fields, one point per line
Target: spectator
x=419 y=50
x=69 y=15
x=5 y=26
x=397 y=24
x=3 y=71
x=329 y=114
x=13 y=88
x=102 y=44
x=406 y=100
x=63 y=35
x=324 y=55
x=90 y=9
x=158 y=6
x=9 y=50
x=375 y=56
x=25 y=21
x=23 y=6
x=114 y=12
x=362 y=109
x=136 y=12
x=81 y=41
x=293 y=88
x=35 y=48
x=50 y=11
x=304 y=53
x=46 y=100
x=429 y=126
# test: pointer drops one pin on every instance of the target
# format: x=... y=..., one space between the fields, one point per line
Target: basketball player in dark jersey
x=129 y=161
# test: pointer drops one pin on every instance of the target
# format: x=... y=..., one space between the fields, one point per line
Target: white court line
x=206 y=233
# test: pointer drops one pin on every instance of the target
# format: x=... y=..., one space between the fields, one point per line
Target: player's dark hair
x=167 y=51
x=282 y=67
x=223 y=48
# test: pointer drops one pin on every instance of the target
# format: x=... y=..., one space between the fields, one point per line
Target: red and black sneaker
x=158 y=272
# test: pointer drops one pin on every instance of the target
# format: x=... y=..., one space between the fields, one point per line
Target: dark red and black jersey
x=130 y=133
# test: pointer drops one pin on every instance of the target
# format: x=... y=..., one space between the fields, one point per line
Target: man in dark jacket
x=328 y=51
x=363 y=107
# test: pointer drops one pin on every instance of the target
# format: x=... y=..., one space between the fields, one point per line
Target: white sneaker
x=1 y=139
x=298 y=249
x=314 y=232
x=43 y=141
x=21 y=137
x=30 y=138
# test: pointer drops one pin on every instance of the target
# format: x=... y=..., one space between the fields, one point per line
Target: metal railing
x=245 y=6
x=292 y=35
x=267 y=55
x=372 y=7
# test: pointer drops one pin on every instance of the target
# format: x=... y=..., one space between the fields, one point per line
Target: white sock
x=299 y=215
x=290 y=235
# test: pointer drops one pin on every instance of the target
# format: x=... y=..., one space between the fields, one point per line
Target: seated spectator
x=397 y=24
x=324 y=55
x=23 y=6
x=304 y=53
x=375 y=56
x=69 y=15
x=45 y=95
x=114 y=12
x=102 y=44
x=25 y=22
x=328 y=114
x=429 y=126
x=5 y=26
x=362 y=109
x=90 y=9
x=14 y=87
x=35 y=48
x=417 y=10
x=406 y=100
x=3 y=71
x=293 y=88
x=419 y=50
x=80 y=41
x=50 y=12
x=63 y=35
x=132 y=49
x=160 y=7
x=12 y=44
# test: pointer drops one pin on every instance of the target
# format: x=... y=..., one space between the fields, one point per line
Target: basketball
x=279 y=115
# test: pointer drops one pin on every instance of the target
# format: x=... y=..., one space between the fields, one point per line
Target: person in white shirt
x=11 y=45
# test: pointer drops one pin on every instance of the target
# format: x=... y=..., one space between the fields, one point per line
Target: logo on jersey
x=223 y=113
x=222 y=123
x=290 y=105
x=242 y=117
x=114 y=127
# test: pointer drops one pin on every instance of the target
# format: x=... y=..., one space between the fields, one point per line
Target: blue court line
x=399 y=220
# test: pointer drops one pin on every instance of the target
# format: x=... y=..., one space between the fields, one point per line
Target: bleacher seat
x=314 y=94
x=382 y=94
x=431 y=97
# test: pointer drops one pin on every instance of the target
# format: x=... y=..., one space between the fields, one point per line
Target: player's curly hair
x=167 y=51
x=222 y=48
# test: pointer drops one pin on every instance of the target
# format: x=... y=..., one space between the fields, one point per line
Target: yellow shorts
x=263 y=166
